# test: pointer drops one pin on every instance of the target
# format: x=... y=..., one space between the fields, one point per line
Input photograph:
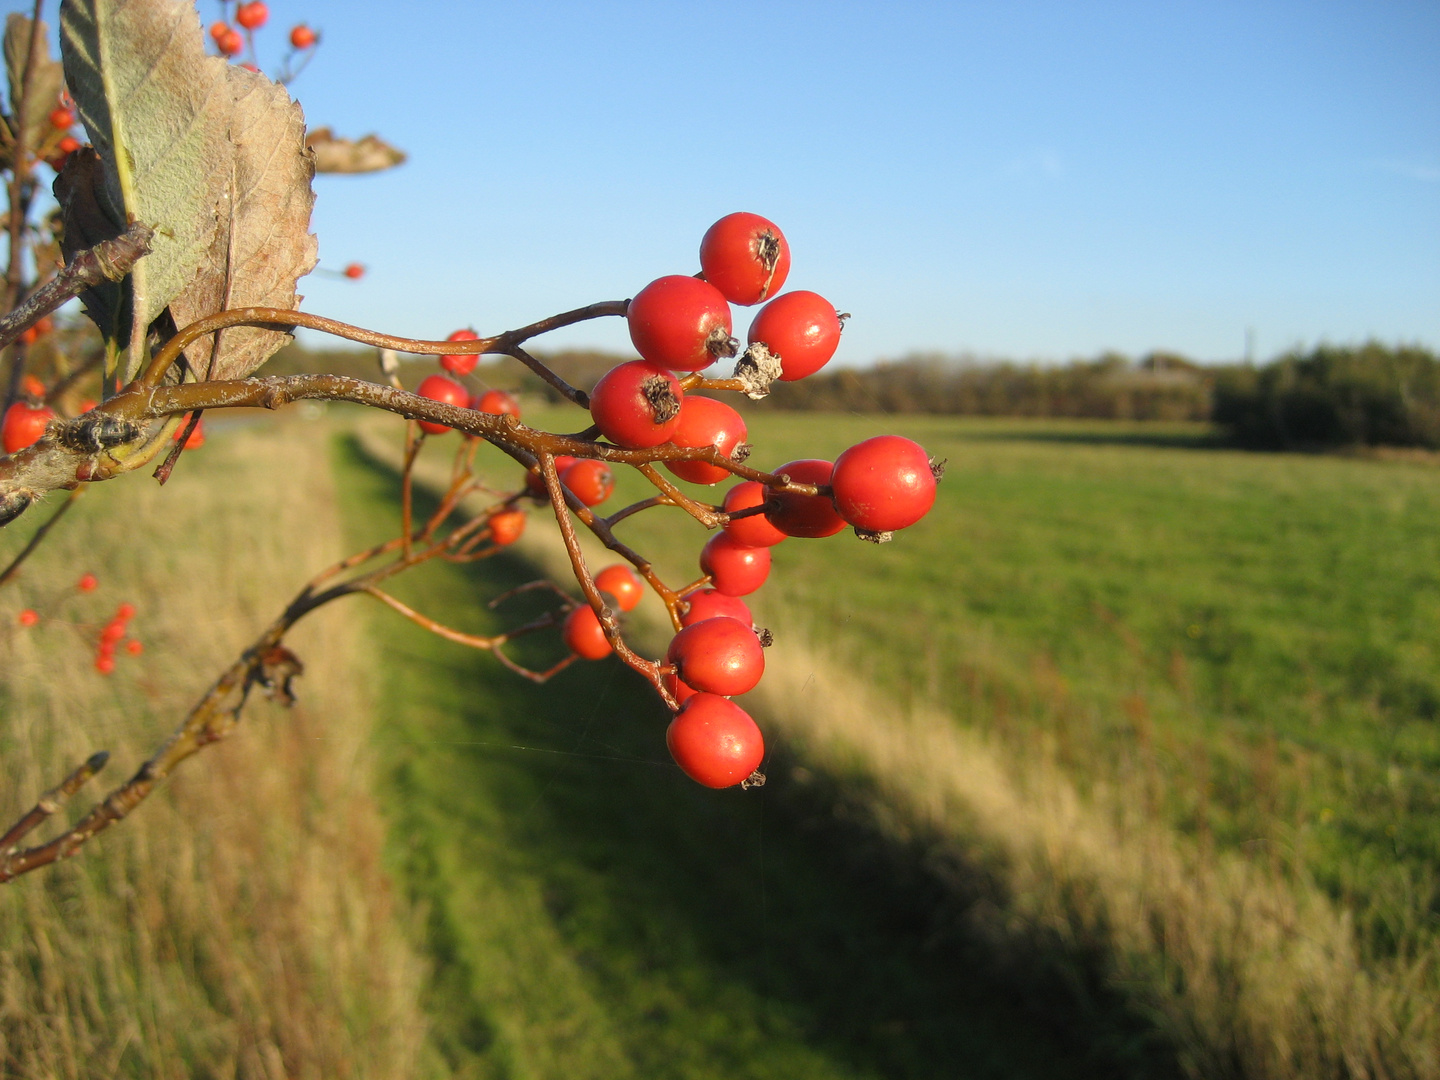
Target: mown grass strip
x=593 y=913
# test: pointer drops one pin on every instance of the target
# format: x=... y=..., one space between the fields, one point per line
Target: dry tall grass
x=239 y=923
x=1248 y=973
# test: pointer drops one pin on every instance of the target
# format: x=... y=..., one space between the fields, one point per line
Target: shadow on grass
x=1117 y=435
x=590 y=911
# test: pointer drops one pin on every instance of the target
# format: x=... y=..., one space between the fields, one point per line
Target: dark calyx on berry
x=661 y=397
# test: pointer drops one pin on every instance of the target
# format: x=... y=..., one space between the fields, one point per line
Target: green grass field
x=1246 y=641
x=593 y=913
x=1239 y=649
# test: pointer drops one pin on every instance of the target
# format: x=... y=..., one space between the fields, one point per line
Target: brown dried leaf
x=47 y=79
x=260 y=192
x=370 y=154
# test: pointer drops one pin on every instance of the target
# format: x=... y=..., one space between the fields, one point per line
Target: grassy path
x=592 y=913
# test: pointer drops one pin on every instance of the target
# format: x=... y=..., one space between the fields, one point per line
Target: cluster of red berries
x=683 y=324
x=250 y=16
x=112 y=634
x=62 y=118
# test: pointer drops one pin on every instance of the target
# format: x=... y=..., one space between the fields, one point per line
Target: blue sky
x=1034 y=180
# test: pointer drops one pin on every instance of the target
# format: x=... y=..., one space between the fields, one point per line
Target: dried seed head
x=766 y=637
x=278 y=667
x=755 y=779
x=757 y=369
x=937 y=468
x=721 y=345
x=874 y=537
x=767 y=250
x=661 y=396
x=741 y=453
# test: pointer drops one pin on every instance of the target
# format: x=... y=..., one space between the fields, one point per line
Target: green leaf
x=151 y=101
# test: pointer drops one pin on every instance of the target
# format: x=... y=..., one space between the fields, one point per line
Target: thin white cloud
x=1411 y=170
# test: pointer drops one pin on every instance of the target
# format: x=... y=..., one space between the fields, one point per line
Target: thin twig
x=20 y=167
x=579 y=397
x=288 y=319
x=109 y=260
x=414 y=438
x=701 y=512
x=473 y=641
x=14 y=568
x=635 y=508
x=182 y=440
x=51 y=801
x=608 y=622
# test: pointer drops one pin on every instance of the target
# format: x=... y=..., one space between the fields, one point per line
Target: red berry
x=355 y=271
x=584 y=634
x=197 y=437
x=88 y=404
x=218 y=30
x=125 y=612
x=734 y=569
x=62 y=119
x=446 y=391
x=496 y=402
x=105 y=663
x=23 y=426
x=252 y=16
x=804 y=515
x=506 y=527
x=714 y=741
x=884 y=483
x=231 y=42
x=623 y=584
x=113 y=631
x=753 y=531
x=637 y=404
x=459 y=363
x=30 y=385
x=302 y=37
x=29 y=617
x=680 y=322
x=802 y=329
x=745 y=257
x=591 y=481
x=87 y=583
x=68 y=145
x=535 y=483
x=706 y=422
x=134 y=648
x=710 y=604
x=718 y=656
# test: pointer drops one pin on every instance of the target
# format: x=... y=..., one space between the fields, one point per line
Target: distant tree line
x=1158 y=387
x=1371 y=394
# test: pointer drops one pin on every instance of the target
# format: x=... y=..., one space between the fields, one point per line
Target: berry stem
x=288 y=319
x=558 y=501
